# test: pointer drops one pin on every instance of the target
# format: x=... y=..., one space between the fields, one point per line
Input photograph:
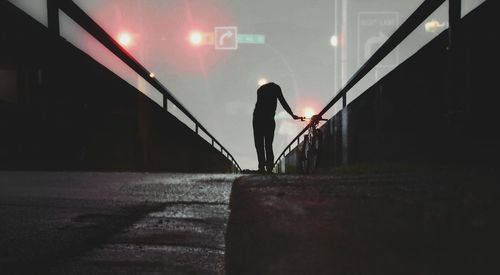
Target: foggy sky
x=219 y=86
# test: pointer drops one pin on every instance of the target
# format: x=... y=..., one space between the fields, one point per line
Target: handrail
x=87 y=23
x=414 y=20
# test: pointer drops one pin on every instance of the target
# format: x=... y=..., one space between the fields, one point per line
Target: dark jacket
x=267 y=98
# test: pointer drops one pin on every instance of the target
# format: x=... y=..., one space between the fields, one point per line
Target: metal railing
x=88 y=24
x=413 y=21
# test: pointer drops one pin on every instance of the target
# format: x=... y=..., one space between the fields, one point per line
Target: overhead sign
x=251 y=39
x=374 y=28
x=226 y=38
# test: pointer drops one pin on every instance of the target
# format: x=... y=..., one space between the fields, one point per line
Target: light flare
x=195 y=38
x=334 y=41
x=125 y=39
x=309 y=112
x=434 y=26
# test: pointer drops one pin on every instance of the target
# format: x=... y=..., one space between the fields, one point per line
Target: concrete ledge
x=420 y=220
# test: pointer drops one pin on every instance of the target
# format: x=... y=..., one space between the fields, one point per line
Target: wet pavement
x=113 y=223
x=414 y=220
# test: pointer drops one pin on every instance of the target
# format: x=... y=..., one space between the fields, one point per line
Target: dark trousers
x=263 y=134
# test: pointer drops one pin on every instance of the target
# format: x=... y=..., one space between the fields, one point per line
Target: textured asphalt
x=360 y=220
x=112 y=223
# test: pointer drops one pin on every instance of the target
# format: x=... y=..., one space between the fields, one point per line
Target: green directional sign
x=251 y=39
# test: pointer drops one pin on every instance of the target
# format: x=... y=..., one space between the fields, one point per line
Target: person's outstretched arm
x=285 y=105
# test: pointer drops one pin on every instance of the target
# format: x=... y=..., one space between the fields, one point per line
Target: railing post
x=452 y=99
x=454 y=15
x=344 y=132
x=165 y=102
x=196 y=128
x=53 y=16
x=344 y=47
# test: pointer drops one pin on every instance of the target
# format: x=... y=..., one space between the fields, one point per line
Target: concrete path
x=112 y=223
x=432 y=220
x=441 y=220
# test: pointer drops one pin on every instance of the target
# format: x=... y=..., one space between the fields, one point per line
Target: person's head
x=269 y=86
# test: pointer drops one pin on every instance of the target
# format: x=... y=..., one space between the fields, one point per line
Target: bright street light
x=125 y=39
x=195 y=38
x=434 y=26
x=334 y=41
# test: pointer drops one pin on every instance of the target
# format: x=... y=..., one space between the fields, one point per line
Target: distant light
x=262 y=81
x=195 y=38
x=334 y=41
x=152 y=75
x=125 y=39
x=309 y=112
x=433 y=26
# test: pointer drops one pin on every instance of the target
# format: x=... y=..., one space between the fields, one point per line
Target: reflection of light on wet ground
x=192 y=211
x=177 y=221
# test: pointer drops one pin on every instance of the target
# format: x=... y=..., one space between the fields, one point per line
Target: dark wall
x=437 y=106
x=59 y=109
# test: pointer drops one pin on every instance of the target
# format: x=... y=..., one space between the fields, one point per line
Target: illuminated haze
x=311 y=49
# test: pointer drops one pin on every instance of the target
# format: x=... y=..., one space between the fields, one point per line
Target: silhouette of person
x=263 y=123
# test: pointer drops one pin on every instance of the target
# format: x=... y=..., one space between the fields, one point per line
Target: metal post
x=343 y=48
x=337 y=31
x=53 y=16
x=454 y=15
x=165 y=103
x=453 y=104
x=345 y=136
x=196 y=128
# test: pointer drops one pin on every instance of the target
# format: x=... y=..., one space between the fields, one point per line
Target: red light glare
x=125 y=39
x=195 y=38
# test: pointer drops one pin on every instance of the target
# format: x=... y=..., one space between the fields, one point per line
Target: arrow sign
x=222 y=38
x=373 y=30
x=226 y=38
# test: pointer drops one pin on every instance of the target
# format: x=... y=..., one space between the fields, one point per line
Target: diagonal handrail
x=414 y=20
x=86 y=22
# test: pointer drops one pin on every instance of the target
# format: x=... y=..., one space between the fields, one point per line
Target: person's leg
x=268 y=144
x=258 y=137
